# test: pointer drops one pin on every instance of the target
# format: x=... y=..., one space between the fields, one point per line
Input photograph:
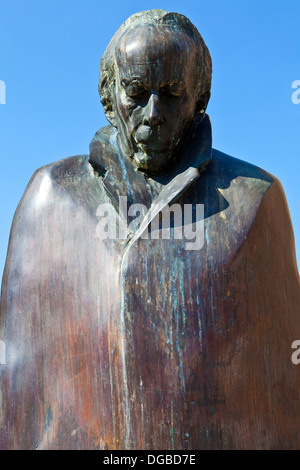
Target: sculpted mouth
x=150 y=139
x=145 y=133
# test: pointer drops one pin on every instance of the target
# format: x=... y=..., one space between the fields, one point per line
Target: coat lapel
x=120 y=178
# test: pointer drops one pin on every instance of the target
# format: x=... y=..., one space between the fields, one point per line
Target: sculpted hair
x=174 y=22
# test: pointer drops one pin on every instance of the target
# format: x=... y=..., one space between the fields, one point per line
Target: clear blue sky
x=49 y=58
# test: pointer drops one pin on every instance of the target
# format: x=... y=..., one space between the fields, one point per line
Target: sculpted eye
x=174 y=91
x=135 y=90
x=138 y=93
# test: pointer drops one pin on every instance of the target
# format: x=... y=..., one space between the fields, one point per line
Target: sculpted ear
x=203 y=101
x=106 y=87
x=109 y=113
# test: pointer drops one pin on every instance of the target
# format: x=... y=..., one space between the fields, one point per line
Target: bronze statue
x=137 y=340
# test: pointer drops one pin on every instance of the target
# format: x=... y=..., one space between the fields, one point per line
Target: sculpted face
x=154 y=93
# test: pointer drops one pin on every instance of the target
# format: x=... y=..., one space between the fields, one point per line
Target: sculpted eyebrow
x=133 y=81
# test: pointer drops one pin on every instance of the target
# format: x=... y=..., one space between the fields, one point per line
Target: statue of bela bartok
x=151 y=295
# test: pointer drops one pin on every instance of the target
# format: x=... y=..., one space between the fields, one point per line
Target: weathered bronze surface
x=142 y=343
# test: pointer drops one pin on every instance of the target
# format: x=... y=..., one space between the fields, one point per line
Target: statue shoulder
x=66 y=183
x=62 y=171
x=229 y=168
x=242 y=182
x=241 y=192
x=257 y=197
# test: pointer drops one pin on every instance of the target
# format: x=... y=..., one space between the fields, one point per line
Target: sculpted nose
x=153 y=112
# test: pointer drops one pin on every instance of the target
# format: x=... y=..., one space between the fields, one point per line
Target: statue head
x=155 y=79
